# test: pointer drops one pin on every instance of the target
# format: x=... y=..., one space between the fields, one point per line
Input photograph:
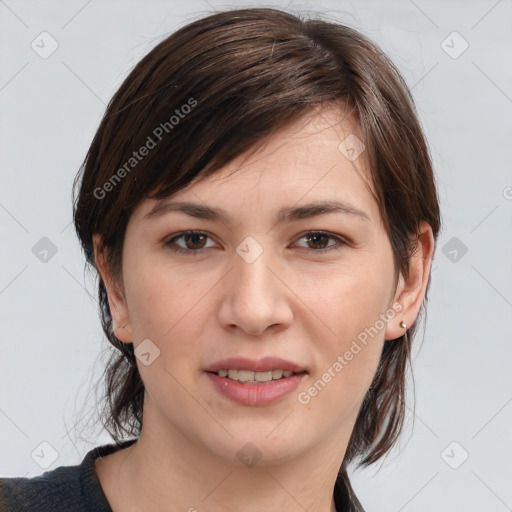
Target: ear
x=116 y=297
x=410 y=292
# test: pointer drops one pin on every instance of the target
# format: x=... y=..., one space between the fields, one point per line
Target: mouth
x=255 y=382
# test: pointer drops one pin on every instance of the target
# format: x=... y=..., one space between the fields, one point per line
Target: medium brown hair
x=243 y=74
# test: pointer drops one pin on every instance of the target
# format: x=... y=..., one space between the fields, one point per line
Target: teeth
x=277 y=374
x=244 y=376
x=263 y=376
x=254 y=377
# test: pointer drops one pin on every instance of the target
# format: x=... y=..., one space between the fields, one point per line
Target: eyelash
x=195 y=252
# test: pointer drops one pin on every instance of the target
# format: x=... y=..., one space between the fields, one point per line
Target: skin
x=303 y=306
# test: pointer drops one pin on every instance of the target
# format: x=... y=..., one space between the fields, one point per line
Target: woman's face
x=260 y=282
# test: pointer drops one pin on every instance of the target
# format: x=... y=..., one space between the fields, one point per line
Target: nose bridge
x=251 y=273
x=254 y=298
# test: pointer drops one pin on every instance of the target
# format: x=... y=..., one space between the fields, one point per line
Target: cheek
x=348 y=302
x=351 y=305
x=165 y=307
x=172 y=310
x=160 y=296
x=347 y=357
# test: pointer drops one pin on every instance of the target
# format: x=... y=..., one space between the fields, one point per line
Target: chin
x=252 y=444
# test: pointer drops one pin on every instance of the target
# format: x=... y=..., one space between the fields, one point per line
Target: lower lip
x=256 y=394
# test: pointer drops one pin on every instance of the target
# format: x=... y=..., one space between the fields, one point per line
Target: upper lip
x=254 y=365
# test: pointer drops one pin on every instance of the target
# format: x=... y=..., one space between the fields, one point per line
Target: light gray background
x=52 y=348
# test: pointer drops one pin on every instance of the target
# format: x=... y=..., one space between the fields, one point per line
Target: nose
x=255 y=296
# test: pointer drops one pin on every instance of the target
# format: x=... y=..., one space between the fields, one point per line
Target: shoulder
x=71 y=488
x=50 y=491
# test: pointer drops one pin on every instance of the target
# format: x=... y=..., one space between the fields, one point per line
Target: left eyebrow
x=288 y=214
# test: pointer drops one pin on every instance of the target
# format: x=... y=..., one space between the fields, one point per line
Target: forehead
x=306 y=162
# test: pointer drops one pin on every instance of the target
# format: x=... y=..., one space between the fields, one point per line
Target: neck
x=164 y=470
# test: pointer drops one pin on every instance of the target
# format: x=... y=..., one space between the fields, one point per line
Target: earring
x=403 y=325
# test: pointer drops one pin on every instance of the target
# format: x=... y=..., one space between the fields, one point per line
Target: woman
x=260 y=206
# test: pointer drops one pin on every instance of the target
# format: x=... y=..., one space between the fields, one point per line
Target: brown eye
x=193 y=242
x=317 y=242
x=196 y=240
